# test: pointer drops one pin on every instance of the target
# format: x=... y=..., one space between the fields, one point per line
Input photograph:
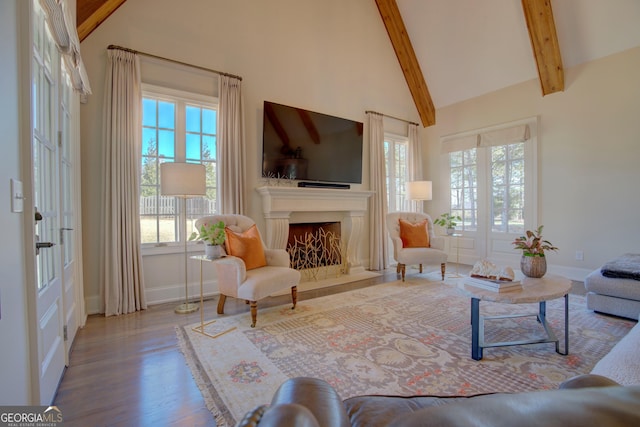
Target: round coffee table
x=541 y=290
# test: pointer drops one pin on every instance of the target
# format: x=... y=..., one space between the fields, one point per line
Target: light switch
x=17 y=197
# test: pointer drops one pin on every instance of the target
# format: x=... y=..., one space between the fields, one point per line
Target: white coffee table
x=540 y=290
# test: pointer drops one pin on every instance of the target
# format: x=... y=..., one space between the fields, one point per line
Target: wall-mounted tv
x=308 y=146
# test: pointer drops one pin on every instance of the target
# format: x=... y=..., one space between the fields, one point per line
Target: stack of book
x=493 y=285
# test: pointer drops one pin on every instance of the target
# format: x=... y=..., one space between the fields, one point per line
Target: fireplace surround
x=282 y=206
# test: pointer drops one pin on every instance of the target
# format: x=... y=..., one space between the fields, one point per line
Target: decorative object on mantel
x=213 y=236
x=273 y=180
x=533 y=262
x=448 y=221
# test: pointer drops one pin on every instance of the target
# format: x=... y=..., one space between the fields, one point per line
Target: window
x=506 y=178
x=507 y=188
x=176 y=126
x=396 y=160
x=464 y=187
x=492 y=176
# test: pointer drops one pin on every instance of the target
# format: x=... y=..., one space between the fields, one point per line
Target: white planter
x=213 y=251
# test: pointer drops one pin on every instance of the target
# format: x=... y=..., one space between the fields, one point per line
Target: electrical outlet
x=579 y=256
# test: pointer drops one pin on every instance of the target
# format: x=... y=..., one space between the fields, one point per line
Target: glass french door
x=46 y=210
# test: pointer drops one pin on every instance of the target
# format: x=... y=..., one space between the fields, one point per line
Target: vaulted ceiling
x=453 y=50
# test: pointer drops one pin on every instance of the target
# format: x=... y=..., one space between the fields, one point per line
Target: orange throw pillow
x=414 y=235
x=246 y=246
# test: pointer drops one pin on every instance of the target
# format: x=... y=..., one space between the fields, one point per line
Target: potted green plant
x=448 y=221
x=213 y=236
x=533 y=263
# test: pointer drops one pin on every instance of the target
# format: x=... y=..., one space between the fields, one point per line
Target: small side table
x=200 y=329
x=533 y=290
x=456 y=237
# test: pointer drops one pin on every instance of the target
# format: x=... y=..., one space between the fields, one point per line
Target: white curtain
x=415 y=163
x=231 y=169
x=415 y=154
x=378 y=248
x=121 y=273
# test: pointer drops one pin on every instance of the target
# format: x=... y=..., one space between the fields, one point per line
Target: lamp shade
x=419 y=190
x=182 y=179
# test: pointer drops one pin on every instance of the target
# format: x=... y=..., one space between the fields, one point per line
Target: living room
x=270 y=55
x=335 y=57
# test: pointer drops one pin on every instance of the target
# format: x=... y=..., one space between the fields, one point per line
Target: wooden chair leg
x=403 y=269
x=254 y=313
x=420 y=268
x=443 y=268
x=294 y=296
x=221 y=302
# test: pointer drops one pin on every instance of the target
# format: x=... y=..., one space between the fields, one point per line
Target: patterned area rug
x=395 y=339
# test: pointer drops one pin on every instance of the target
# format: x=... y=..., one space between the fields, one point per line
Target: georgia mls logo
x=54 y=415
x=30 y=416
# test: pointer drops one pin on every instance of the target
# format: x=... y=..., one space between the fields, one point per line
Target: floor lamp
x=419 y=191
x=183 y=180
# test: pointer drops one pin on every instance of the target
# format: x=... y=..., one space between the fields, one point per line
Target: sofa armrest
x=315 y=395
x=437 y=242
x=587 y=380
x=231 y=272
x=277 y=257
x=288 y=415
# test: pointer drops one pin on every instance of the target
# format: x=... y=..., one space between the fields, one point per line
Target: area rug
x=395 y=338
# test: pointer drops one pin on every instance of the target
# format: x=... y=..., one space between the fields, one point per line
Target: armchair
x=431 y=253
x=253 y=284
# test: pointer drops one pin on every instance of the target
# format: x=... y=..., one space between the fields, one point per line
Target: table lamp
x=419 y=190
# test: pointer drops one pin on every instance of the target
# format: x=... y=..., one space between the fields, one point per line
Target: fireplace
x=316 y=249
x=285 y=207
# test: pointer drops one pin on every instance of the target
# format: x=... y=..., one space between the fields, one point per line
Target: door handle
x=62 y=230
x=41 y=245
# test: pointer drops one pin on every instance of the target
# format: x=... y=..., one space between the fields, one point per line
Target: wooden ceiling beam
x=544 y=42
x=91 y=13
x=408 y=62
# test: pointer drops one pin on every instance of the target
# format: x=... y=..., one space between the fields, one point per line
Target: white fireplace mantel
x=279 y=203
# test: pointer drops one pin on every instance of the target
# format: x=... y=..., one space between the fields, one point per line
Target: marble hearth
x=282 y=206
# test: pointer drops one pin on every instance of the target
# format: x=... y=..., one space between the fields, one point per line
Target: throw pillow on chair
x=247 y=246
x=414 y=235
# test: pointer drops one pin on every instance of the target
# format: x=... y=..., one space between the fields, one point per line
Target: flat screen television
x=308 y=146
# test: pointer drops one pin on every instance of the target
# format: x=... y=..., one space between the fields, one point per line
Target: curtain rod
x=112 y=46
x=392 y=117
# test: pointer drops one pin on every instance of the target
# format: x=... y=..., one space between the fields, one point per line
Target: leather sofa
x=586 y=400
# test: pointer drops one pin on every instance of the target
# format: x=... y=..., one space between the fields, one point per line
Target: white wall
x=14 y=351
x=330 y=56
x=588 y=160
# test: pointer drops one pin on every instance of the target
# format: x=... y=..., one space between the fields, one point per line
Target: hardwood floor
x=128 y=371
